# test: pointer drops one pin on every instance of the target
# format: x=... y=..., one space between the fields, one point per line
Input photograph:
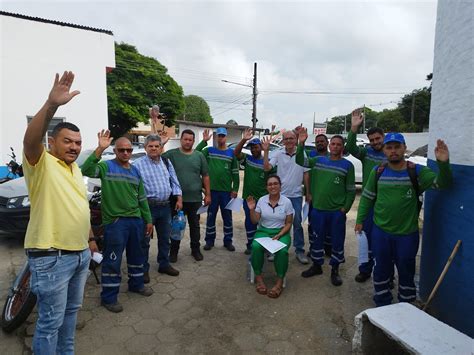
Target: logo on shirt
x=337 y=180
x=409 y=194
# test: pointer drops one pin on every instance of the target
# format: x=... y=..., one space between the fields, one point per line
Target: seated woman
x=274 y=215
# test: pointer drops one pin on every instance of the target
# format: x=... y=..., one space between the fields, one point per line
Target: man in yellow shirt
x=56 y=240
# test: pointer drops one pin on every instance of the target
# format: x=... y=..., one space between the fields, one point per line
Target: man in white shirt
x=292 y=177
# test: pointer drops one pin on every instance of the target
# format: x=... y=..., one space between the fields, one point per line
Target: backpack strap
x=411 y=169
x=378 y=174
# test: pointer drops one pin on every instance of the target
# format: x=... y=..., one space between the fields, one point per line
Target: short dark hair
x=373 y=130
x=321 y=135
x=152 y=138
x=188 y=131
x=339 y=137
x=273 y=176
x=64 y=125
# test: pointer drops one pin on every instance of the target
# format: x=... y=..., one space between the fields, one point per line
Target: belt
x=58 y=252
x=155 y=202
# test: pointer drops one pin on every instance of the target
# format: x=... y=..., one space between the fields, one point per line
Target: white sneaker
x=271 y=257
x=302 y=258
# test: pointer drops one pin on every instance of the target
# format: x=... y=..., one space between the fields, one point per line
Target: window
x=51 y=125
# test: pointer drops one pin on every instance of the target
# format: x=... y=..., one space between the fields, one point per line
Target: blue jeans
x=322 y=224
x=219 y=199
x=298 y=236
x=250 y=228
x=124 y=233
x=161 y=217
x=58 y=283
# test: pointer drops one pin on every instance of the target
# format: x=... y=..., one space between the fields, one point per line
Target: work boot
x=362 y=277
x=145 y=291
x=314 y=270
x=112 y=307
x=196 y=253
x=229 y=247
x=168 y=270
x=208 y=247
x=335 y=278
x=146 y=277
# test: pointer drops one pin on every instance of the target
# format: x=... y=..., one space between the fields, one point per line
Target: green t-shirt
x=254 y=177
x=394 y=199
x=190 y=168
x=123 y=194
x=368 y=156
x=223 y=168
x=332 y=181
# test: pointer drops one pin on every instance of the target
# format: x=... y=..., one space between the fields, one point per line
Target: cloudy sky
x=315 y=58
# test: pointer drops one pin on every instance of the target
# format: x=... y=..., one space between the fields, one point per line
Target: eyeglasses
x=289 y=139
x=123 y=150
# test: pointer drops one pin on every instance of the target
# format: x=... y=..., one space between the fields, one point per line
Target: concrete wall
x=31 y=53
x=449 y=215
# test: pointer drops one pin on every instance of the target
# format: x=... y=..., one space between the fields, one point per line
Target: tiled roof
x=59 y=23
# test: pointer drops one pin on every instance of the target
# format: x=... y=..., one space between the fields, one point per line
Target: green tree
x=136 y=83
x=421 y=98
x=390 y=120
x=197 y=109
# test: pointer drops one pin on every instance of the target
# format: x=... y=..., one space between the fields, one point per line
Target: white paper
x=305 y=211
x=202 y=209
x=272 y=245
x=97 y=257
x=235 y=204
x=363 y=247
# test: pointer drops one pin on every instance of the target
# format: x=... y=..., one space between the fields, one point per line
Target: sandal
x=261 y=288
x=275 y=292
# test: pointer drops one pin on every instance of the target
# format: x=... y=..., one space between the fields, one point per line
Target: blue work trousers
x=324 y=223
x=125 y=233
x=398 y=249
x=327 y=238
x=219 y=199
x=250 y=228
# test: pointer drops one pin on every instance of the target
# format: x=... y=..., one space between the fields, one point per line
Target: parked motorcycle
x=15 y=170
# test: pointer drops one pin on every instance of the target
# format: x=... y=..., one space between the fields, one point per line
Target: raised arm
x=206 y=135
x=351 y=144
x=59 y=95
x=429 y=179
x=266 y=148
x=254 y=215
x=91 y=166
x=248 y=134
x=301 y=158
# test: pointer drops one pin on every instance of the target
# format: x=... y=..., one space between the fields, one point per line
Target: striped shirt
x=159 y=182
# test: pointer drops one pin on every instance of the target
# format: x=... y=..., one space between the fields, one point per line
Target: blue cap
x=222 y=131
x=394 y=137
x=255 y=141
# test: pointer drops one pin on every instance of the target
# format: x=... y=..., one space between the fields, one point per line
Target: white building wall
x=31 y=53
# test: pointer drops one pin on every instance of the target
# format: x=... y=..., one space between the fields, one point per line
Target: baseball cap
x=255 y=141
x=222 y=131
x=394 y=137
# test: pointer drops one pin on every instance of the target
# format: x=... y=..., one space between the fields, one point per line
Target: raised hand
x=357 y=117
x=248 y=134
x=206 y=135
x=266 y=143
x=441 y=151
x=104 y=139
x=59 y=94
x=298 y=129
x=251 y=203
x=303 y=135
x=164 y=137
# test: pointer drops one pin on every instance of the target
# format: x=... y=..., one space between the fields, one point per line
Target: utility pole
x=254 y=98
x=363 y=129
x=412 y=120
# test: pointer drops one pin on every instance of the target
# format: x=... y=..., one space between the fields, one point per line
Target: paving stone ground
x=211 y=307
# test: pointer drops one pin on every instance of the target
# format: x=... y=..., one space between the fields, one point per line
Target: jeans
x=124 y=233
x=58 y=283
x=219 y=199
x=161 y=217
x=250 y=228
x=367 y=226
x=298 y=236
x=190 y=209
